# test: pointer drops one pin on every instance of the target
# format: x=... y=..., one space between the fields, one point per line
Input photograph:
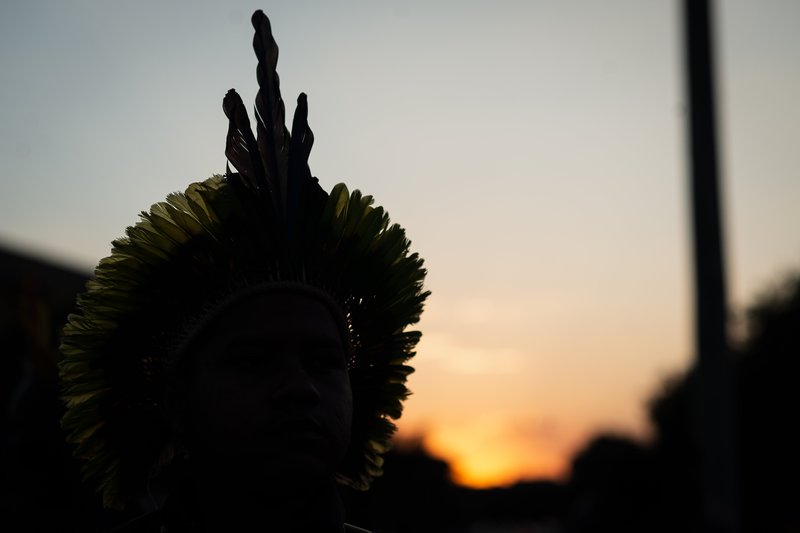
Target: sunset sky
x=533 y=150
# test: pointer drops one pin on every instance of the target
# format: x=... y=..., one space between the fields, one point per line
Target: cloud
x=460 y=359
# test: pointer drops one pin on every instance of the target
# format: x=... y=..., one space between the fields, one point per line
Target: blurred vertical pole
x=713 y=383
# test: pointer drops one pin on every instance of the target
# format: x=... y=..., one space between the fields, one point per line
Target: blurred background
x=535 y=152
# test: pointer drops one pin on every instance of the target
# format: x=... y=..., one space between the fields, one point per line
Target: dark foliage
x=767 y=362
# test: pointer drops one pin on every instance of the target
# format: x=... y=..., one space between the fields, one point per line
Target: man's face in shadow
x=269 y=390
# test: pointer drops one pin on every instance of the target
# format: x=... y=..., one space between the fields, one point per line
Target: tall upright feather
x=241 y=147
x=301 y=142
x=303 y=192
x=273 y=137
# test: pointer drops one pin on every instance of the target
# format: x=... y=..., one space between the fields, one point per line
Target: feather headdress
x=268 y=222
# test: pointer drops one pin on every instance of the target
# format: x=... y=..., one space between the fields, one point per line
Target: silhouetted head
x=310 y=352
x=263 y=389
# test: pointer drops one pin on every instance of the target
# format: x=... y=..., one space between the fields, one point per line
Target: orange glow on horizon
x=487 y=471
x=485 y=453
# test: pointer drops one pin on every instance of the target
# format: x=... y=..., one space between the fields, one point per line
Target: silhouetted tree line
x=766 y=362
x=622 y=485
x=616 y=483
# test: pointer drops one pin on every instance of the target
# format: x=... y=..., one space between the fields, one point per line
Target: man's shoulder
x=154 y=523
x=349 y=528
x=148 y=523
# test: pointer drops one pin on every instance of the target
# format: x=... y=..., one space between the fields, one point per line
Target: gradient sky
x=534 y=151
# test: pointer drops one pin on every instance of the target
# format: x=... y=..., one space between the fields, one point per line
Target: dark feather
x=273 y=137
x=303 y=193
x=302 y=141
x=241 y=147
